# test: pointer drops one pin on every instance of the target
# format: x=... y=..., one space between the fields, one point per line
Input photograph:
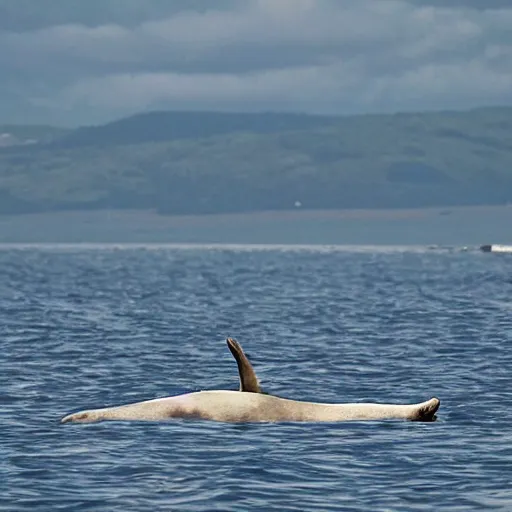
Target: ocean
x=87 y=326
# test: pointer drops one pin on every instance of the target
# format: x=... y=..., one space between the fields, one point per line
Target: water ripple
x=86 y=328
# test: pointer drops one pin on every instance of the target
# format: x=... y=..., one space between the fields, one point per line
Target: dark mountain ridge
x=211 y=162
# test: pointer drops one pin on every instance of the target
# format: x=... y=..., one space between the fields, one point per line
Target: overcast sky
x=78 y=62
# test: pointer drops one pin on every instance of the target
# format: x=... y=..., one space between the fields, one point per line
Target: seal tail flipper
x=427 y=410
x=248 y=379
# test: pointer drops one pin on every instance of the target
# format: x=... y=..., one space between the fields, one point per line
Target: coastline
x=467 y=225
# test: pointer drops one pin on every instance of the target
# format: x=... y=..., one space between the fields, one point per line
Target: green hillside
x=184 y=162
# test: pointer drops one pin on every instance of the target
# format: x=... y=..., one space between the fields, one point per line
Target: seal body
x=241 y=406
x=250 y=404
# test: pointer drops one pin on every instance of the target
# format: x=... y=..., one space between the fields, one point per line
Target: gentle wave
x=86 y=328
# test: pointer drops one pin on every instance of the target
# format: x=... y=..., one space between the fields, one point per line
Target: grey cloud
x=308 y=55
x=469 y=4
x=25 y=15
x=271 y=34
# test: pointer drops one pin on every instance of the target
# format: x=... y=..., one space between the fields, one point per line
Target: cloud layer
x=322 y=56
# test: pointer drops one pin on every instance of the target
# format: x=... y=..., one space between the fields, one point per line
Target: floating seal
x=251 y=405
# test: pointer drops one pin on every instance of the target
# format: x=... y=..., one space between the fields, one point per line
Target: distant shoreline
x=458 y=225
x=361 y=213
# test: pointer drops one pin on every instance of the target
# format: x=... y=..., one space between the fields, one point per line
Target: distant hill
x=164 y=126
x=201 y=162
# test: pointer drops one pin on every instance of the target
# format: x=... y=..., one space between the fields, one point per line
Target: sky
x=72 y=62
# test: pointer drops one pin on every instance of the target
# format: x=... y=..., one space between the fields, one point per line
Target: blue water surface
x=91 y=327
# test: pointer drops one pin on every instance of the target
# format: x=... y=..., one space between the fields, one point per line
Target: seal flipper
x=248 y=379
x=427 y=410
